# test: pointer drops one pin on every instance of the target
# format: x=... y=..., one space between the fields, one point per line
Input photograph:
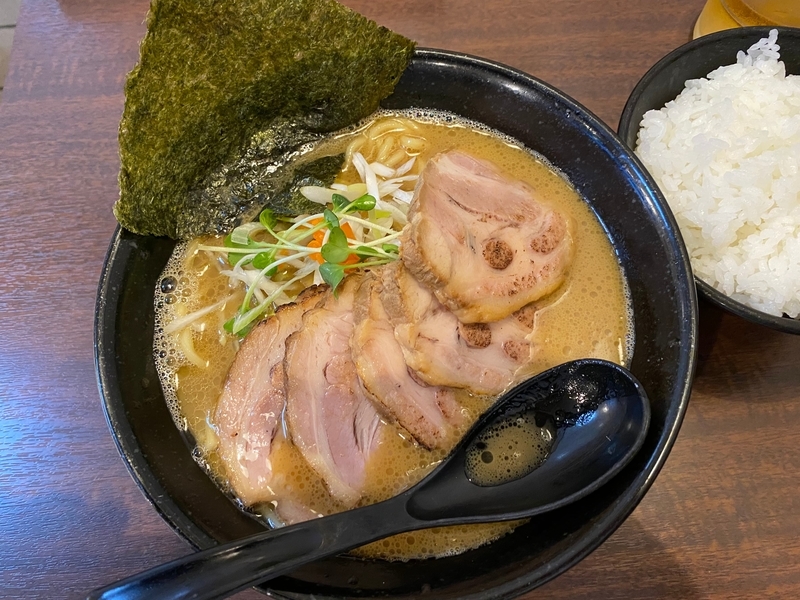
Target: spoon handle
x=226 y=569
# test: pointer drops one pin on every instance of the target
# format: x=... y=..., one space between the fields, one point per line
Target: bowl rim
x=105 y=328
x=625 y=130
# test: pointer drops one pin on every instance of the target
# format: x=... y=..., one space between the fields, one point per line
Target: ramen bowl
x=666 y=79
x=662 y=292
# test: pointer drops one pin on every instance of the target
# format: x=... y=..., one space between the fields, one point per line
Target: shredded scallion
x=358 y=226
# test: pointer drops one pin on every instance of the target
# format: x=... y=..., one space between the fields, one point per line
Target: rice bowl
x=721 y=136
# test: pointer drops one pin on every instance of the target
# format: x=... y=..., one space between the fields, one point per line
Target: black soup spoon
x=547 y=442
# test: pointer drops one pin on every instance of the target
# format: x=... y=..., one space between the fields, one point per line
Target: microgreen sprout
x=273 y=255
x=336 y=250
x=332 y=274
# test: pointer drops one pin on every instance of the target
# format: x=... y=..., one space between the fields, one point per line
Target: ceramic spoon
x=595 y=413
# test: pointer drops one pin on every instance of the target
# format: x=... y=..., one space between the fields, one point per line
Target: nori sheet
x=225 y=97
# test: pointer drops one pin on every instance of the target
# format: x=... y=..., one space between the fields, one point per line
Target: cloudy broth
x=588 y=316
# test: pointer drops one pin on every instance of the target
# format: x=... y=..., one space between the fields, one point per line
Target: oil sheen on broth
x=588 y=316
x=509 y=449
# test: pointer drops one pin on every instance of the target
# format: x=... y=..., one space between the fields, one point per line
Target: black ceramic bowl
x=666 y=79
x=654 y=259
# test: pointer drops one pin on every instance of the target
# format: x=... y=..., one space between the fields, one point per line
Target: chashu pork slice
x=331 y=420
x=482 y=357
x=428 y=413
x=249 y=411
x=481 y=242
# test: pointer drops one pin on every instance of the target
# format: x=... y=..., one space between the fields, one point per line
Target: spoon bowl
x=598 y=414
x=547 y=442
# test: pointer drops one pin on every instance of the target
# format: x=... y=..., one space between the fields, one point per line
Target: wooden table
x=721 y=521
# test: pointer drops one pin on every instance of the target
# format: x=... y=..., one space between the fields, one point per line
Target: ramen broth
x=588 y=316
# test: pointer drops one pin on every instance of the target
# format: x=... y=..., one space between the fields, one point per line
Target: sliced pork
x=442 y=351
x=331 y=420
x=428 y=413
x=455 y=312
x=481 y=242
x=248 y=414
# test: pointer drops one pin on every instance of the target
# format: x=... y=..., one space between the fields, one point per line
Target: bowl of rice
x=717 y=124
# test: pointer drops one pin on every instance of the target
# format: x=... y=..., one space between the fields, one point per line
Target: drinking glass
x=727 y=14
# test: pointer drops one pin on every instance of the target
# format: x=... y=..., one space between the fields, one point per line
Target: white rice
x=726 y=154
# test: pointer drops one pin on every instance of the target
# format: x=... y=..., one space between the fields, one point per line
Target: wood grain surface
x=722 y=520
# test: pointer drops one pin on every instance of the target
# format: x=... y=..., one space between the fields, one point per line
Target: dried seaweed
x=228 y=98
